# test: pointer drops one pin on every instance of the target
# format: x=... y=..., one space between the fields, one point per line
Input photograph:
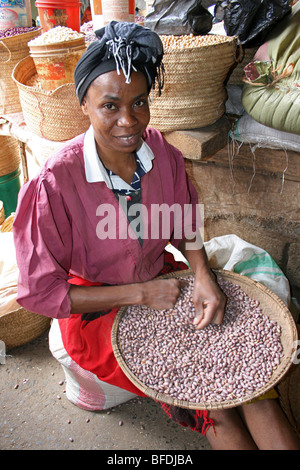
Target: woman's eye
x=109 y=106
x=139 y=103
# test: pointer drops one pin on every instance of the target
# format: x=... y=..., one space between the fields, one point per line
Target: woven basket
x=7 y=224
x=237 y=74
x=54 y=115
x=194 y=94
x=289 y=394
x=20 y=326
x=270 y=304
x=9 y=155
x=12 y=50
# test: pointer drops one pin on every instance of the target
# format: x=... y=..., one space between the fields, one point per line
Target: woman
x=86 y=239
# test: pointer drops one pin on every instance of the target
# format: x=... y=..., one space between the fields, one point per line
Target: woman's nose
x=126 y=118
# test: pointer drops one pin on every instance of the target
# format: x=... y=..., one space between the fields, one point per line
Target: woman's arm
x=209 y=300
x=158 y=293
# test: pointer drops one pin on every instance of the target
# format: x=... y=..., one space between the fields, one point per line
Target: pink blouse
x=59 y=215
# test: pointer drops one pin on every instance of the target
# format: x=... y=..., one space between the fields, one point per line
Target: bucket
x=15 y=14
x=9 y=189
x=58 y=13
x=55 y=63
x=104 y=11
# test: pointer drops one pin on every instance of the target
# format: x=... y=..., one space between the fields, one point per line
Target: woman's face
x=118 y=111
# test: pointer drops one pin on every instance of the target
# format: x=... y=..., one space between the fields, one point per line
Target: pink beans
x=17 y=30
x=219 y=363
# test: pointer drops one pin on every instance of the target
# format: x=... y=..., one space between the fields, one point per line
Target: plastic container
x=9 y=189
x=15 y=13
x=58 y=13
x=104 y=11
x=55 y=63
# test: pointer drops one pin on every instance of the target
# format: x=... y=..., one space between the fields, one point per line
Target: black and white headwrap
x=122 y=47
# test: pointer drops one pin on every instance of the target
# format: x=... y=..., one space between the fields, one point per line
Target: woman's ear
x=84 y=106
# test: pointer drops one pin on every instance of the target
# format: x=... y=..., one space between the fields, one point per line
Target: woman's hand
x=162 y=294
x=209 y=301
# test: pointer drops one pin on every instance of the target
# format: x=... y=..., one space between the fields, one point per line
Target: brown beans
x=221 y=362
x=190 y=41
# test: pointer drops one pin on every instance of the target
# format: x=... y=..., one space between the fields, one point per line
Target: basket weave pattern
x=194 y=94
x=54 y=115
x=9 y=155
x=12 y=50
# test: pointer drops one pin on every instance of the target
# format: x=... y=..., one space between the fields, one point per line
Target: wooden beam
x=199 y=144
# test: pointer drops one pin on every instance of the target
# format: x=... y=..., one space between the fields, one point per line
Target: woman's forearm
x=195 y=254
x=157 y=293
x=86 y=299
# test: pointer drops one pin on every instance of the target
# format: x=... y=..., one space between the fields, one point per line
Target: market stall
x=245 y=168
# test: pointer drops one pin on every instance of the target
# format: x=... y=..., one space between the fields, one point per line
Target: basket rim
x=3 y=315
x=17 y=36
x=276 y=376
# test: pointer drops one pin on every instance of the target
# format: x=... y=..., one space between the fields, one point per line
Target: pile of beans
x=190 y=41
x=88 y=30
x=6 y=33
x=54 y=35
x=216 y=364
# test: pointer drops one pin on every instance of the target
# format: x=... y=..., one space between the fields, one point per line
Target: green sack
x=271 y=94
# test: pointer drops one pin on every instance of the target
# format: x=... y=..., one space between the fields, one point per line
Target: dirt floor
x=36 y=415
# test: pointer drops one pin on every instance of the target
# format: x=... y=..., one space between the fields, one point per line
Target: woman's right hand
x=161 y=294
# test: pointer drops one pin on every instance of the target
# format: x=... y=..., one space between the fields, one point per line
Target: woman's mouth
x=128 y=139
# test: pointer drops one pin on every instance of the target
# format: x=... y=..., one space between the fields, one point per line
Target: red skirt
x=87 y=340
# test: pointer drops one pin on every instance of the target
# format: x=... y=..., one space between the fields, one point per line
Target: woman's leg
x=229 y=431
x=269 y=426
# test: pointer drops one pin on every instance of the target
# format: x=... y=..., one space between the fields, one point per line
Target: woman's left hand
x=209 y=301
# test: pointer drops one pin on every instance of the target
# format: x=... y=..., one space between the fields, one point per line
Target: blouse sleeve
x=43 y=241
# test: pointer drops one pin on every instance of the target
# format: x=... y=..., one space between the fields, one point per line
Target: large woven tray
x=270 y=305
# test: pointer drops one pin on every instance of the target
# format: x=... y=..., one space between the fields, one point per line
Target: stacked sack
x=271 y=94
